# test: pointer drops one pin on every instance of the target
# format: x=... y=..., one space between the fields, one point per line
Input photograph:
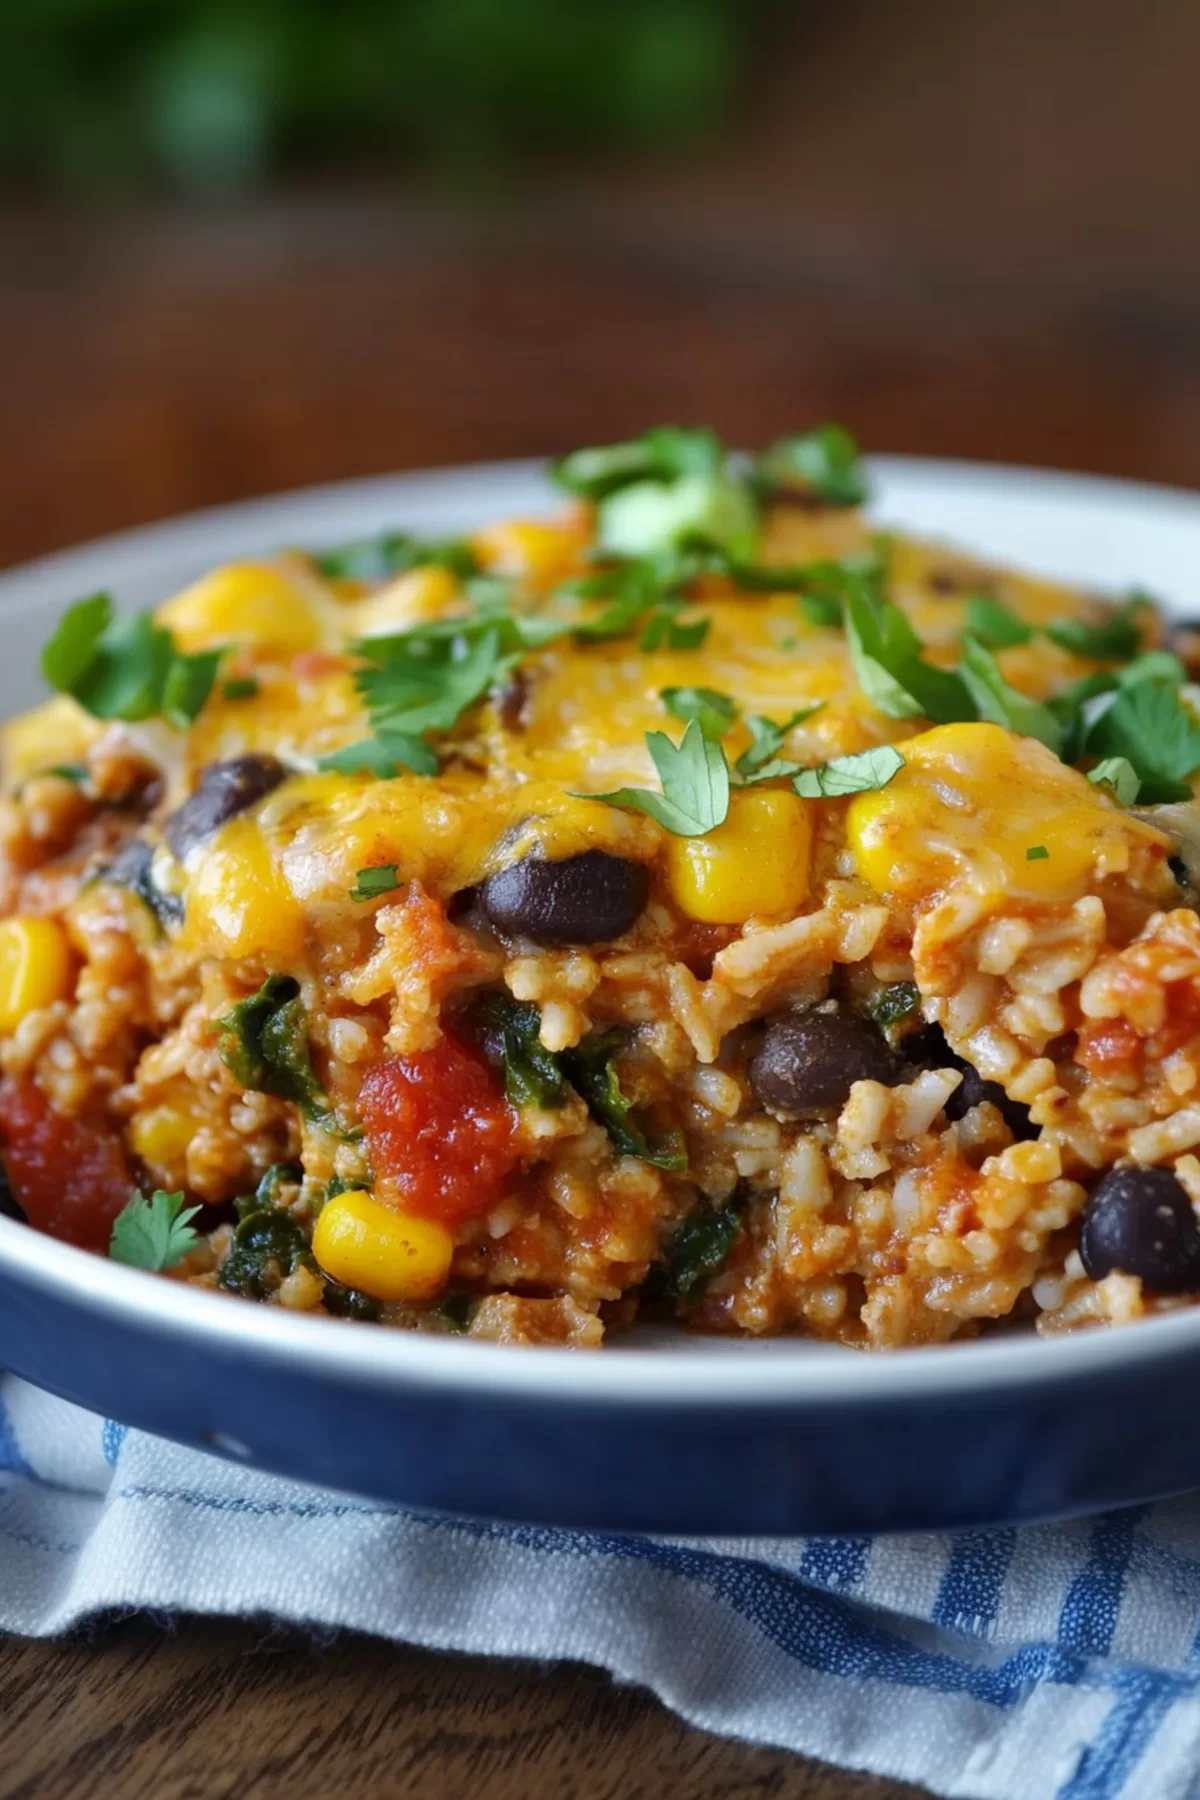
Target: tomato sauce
x=70 y=1178
x=439 y=1131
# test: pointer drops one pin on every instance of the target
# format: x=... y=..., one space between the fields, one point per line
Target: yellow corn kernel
x=58 y=731
x=756 y=864
x=35 y=968
x=971 y=802
x=390 y=1255
x=412 y=599
x=160 y=1136
x=238 y=902
x=244 y=603
x=532 y=550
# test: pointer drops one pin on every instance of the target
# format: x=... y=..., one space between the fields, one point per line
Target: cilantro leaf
x=662 y=453
x=380 y=878
x=699 y=1250
x=263 y=1042
x=1158 y=736
x=695 y=784
x=1113 y=639
x=665 y=627
x=127 y=667
x=824 y=462
x=822 y=609
x=419 y=683
x=858 y=774
x=591 y=1068
x=760 y=762
x=995 y=625
x=1003 y=704
x=239 y=687
x=887 y=1006
x=384 y=755
x=651 y=517
x=886 y=654
x=1118 y=774
x=714 y=712
x=1037 y=853
x=394 y=553
x=154 y=1233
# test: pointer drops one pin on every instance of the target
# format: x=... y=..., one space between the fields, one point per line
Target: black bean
x=808 y=1062
x=226 y=789
x=928 y=1049
x=1141 y=1222
x=132 y=869
x=584 y=899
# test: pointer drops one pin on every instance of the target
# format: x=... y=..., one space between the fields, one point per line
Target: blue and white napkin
x=1053 y=1663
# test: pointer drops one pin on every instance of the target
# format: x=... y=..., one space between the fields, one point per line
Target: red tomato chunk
x=439 y=1132
x=70 y=1177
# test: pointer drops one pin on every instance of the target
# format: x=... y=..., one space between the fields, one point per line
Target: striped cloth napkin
x=1053 y=1663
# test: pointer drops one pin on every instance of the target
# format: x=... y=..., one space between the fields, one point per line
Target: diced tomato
x=439 y=1131
x=70 y=1177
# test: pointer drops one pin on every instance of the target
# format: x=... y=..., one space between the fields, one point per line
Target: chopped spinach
x=591 y=1068
x=533 y=1075
x=263 y=1042
x=457 y=1310
x=890 y=1004
x=267 y=1191
x=263 y=1237
x=132 y=868
x=699 y=1250
x=350 y=1303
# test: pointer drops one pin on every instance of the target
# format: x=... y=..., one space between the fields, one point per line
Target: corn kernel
x=245 y=603
x=58 y=731
x=35 y=968
x=238 y=902
x=756 y=864
x=412 y=599
x=971 y=802
x=387 y=1254
x=160 y=1136
x=532 y=550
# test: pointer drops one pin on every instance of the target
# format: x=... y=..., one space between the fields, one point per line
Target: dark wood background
x=964 y=230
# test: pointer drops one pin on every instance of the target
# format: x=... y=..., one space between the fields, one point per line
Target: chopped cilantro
x=1003 y=704
x=651 y=517
x=859 y=774
x=384 y=755
x=887 y=1006
x=886 y=653
x=1112 y=639
x=126 y=668
x=75 y=772
x=369 y=884
x=715 y=712
x=822 y=609
x=154 y=1233
x=239 y=687
x=394 y=553
x=761 y=762
x=1119 y=775
x=660 y=454
x=1151 y=728
x=995 y=625
x=1037 y=853
x=824 y=462
x=695 y=784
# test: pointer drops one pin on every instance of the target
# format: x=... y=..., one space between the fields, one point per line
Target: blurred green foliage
x=104 y=94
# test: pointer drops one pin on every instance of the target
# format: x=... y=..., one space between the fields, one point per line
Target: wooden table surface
x=157 y=363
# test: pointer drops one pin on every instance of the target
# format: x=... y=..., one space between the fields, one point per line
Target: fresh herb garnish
x=714 y=712
x=1002 y=704
x=1118 y=774
x=660 y=454
x=995 y=625
x=1151 y=728
x=74 y=772
x=886 y=653
x=239 y=687
x=369 y=884
x=862 y=773
x=649 y=518
x=394 y=553
x=384 y=756
x=154 y=1233
x=824 y=462
x=699 y=1250
x=126 y=668
x=822 y=610
x=1114 y=639
x=695 y=784
x=591 y=1068
x=642 y=593
x=762 y=762
x=1037 y=853
x=263 y=1042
